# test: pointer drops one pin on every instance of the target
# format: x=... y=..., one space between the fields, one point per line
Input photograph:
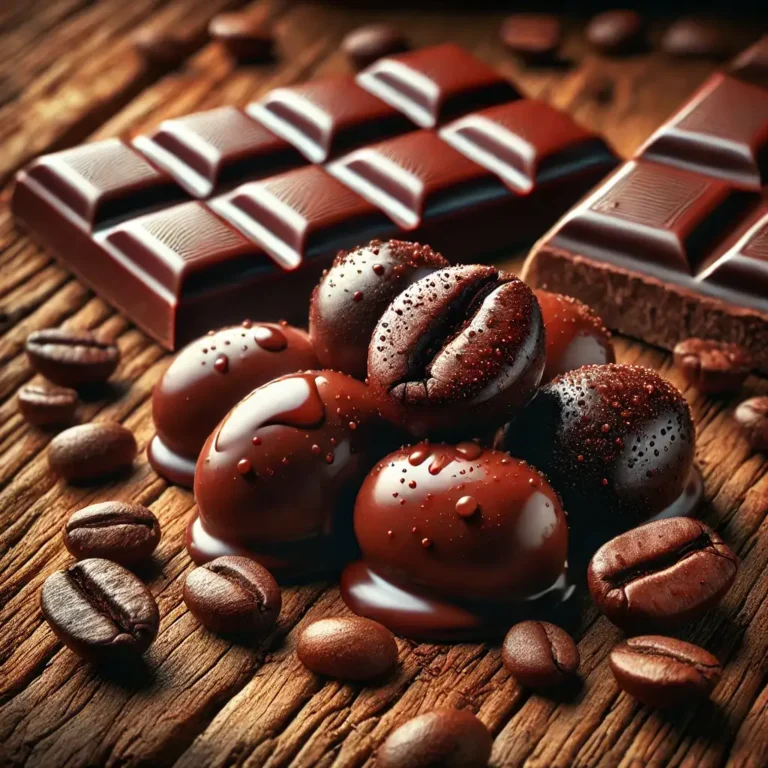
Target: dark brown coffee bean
x=444 y=738
x=661 y=574
x=348 y=648
x=664 y=672
x=114 y=530
x=712 y=367
x=694 y=38
x=367 y=44
x=621 y=31
x=100 y=610
x=233 y=595
x=752 y=417
x=45 y=404
x=533 y=36
x=540 y=654
x=164 y=48
x=71 y=358
x=91 y=450
x=246 y=36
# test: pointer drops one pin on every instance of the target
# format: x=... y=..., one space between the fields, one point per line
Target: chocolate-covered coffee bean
x=665 y=573
x=443 y=738
x=71 y=357
x=347 y=648
x=752 y=417
x=540 y=655
x=459 y=352
x=354 y=293
x=114 y=530
x=233 y=595
x=100 y=610
x=46 y=405
x=90 y=451
x=664 y=672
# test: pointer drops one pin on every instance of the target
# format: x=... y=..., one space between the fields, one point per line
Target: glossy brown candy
x=100 y=610
x=443 y=738
x=616 y=441
x=575 y=335
x=459 y=352
x=712 y=366
x=353 y=294
x=277 y=478
x=233 y=595
x=664 y=672
x=347 y=648
x=455 y=540
x=662 y=574
x=208 y=377
x=540 y=655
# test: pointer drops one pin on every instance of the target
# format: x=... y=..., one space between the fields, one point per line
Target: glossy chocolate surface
x=675 y=243
x=459 y=352
x=276 y=480
x=210 y=376
x=160 y=228
x=456 y=539
x=617 y=443
x=575 y=335
x=353 y=294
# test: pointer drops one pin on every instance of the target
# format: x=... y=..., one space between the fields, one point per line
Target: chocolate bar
x=674 y=244
x=234 y=213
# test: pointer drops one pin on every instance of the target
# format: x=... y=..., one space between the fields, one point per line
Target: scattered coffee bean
x=233 y=595
x=71 y=358
x=712 y=367
x=164 y=48
x=45 y=404
x=91 y=450
x=664 y=672
x=100 y=610
x=348 y=648
x=540 y=654
x=752 y=417
x=661 y=574
x=114 y=530
x=616 y=32
x=693 y=37
x=364 y=45
x=532 y=36
x=248 y=37
x=444 y=738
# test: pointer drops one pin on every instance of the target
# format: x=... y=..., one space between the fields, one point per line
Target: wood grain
x=198 y=700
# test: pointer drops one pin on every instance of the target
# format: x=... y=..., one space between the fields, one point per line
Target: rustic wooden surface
x=67 y=74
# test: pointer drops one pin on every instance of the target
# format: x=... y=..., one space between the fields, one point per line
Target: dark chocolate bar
x=230 y=213
x=674 y=244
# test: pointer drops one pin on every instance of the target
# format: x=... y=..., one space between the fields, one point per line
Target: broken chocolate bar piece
x=232 y=213
x=674 y=244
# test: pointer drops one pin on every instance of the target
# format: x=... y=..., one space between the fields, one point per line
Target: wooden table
x=68 y=74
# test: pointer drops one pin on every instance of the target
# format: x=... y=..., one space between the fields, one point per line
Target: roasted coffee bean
x=540 y=654
x=91 y=450
x=664 y=672
x=164 y=48
x=248 y=37
x=444 y=738
x=533 y=36
x=367 y=44
x=71 y=358
x=114 y=530
x=752 y=417
x=233 y=595
x=712 y=367
x=45 y=404
x=661 y=574
x=694 y=38
x=348 y=648
x=616 y=32
x=100 y=610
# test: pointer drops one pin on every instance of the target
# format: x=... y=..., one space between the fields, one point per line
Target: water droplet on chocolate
x=256 y=440
x=426 y=543
x=329 y=458
x=247 y=323
x=439 y=463
x=244 y=466
x=378 y=269
x=221 y=364
x=270 y=339
x=418 y=455
x=469 y=450
x=358 y=296
x=466 y=506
